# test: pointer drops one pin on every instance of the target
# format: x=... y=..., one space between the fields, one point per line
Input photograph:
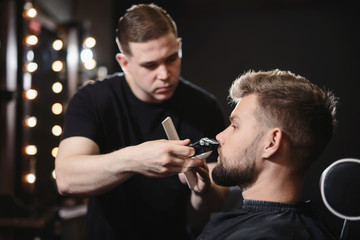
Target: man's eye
x=172 y=59
x=150 y=66
x=233 y=126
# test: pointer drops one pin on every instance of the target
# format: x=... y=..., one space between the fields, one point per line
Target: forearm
x=82 y=171
x=87 y=175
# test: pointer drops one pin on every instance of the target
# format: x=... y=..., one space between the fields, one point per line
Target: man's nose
x=219 y=137
x=163 y=72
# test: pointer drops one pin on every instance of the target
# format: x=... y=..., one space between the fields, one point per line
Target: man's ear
x=179 y=42
x=272 y=141
x=123 y=62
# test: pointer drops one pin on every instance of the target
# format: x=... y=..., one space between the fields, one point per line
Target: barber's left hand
x=203 y=182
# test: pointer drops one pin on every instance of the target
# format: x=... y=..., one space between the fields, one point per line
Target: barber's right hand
x=162 y=158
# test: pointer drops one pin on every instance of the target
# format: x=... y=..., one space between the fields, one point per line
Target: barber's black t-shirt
x=108 y=113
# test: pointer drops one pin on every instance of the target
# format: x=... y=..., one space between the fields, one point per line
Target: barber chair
x=340 y=191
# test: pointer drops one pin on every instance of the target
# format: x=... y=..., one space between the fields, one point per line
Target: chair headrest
x=340 y=188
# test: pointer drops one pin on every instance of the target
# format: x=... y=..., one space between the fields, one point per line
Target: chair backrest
x=340 y=190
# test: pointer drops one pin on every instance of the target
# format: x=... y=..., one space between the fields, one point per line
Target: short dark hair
x=303 y=111
x=141 y=23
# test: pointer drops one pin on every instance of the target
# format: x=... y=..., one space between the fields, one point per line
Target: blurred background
x=51 y=47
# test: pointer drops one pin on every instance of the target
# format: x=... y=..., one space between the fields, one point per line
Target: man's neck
x=274 y=189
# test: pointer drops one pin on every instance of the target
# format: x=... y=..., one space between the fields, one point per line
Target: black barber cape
x=257 y=220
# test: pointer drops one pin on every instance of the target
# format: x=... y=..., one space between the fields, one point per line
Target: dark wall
x=318 y=40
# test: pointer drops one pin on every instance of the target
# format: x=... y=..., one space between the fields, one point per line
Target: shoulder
x=96 y=94
x=100 y=89
x=107 y=83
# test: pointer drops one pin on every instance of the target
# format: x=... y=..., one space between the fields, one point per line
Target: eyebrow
x=175 y=54
x=155 y=62
x=147 y=63
x=234 y=118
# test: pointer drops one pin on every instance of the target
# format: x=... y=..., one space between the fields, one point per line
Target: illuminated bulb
x=57 y=108
x=54 y=151
x=30 y=13
x=31 y=121
x=57 y=45
x=30 y=178
x=29 y=10
x=56 y=130
x=86 y=55
x=57 y=87
x=31 y=40
x=30 y=149
x=30 y=55
x=89 y=42
x=57 y=66
x=90 y=64
x=27 y=81
x=31 y=94
x=31 y=67
x=53 y=174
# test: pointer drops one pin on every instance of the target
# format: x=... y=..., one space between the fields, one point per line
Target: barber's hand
x=161 y=158
x=203 y=182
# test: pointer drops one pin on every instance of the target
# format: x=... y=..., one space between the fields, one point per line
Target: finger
x=204 y=182
x=203 y=174
x=182 y=178
x=184 y=151
x=181 y=164
x=184 y=142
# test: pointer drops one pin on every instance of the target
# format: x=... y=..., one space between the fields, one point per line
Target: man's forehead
x=152 y=51
x=166 y=40
x=244 y=107
x=234 y=116
x=233 y=113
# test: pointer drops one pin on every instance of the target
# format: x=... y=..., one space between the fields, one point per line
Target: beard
x=242 y=171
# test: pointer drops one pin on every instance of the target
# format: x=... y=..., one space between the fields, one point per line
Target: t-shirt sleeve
x=80 y=117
